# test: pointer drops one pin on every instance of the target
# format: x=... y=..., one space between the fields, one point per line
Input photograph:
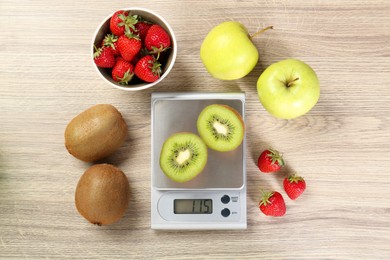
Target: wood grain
x=341 y=147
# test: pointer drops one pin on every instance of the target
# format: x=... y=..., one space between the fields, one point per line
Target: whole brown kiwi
x=95 y=133
x=102 y=194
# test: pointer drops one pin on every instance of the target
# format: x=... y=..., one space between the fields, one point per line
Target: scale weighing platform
x=216 y=198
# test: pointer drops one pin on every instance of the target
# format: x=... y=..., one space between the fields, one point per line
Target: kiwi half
x=221 y=127
x=183 y=156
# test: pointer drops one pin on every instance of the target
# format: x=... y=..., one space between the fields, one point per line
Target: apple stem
x=261 y=31
x=291 y=82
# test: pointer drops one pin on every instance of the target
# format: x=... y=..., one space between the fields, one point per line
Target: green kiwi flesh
x=221 y=127
x=183 y=156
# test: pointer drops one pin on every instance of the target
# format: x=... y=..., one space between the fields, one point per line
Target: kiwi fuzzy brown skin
x=102 y=194
x=95 y=133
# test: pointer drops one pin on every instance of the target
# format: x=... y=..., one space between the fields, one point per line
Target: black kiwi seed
x=217 y=136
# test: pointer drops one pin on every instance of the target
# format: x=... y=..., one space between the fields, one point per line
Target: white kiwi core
x=220 y=128
x=183 y=156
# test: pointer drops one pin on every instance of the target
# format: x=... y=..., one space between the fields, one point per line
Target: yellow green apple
x=228 y=52
x=288 y=89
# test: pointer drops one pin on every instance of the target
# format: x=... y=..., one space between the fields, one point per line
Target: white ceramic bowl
x=167 y=65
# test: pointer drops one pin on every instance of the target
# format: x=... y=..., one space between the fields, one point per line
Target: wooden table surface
x=342 y=147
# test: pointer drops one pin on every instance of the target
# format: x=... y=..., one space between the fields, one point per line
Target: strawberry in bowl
x=134 y=49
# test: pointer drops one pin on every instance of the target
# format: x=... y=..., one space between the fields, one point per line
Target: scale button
x=225 y=212
x=225 y=199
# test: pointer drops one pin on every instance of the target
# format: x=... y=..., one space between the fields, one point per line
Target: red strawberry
x=270 y=161
x=142 y=53
x=157 y=39
x=129 y=45
x=104 y=57
x=123 y=71
x=148 y=69
x=116 y=22
x=111 y=41
x=121 y=20
x=142 y=29
x=272 y=204
x=294 y=186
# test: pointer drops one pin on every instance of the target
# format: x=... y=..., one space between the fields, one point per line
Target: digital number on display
x=193 y=206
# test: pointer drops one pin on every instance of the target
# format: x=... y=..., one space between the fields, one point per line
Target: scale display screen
x=193 y=206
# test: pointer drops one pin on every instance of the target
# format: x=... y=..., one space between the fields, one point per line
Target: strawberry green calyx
x=155 y=67
x=130 y=34
x=265 y=196
x=98 y=51
x=276 y=157
x=155 y=57
x=128 y=21
x=141 y=19
x=109 y=40
x=157 y=51
x=128 y=76
x=294 y=178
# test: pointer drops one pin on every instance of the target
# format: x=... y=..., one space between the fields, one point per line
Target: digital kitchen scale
x=216 y=198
